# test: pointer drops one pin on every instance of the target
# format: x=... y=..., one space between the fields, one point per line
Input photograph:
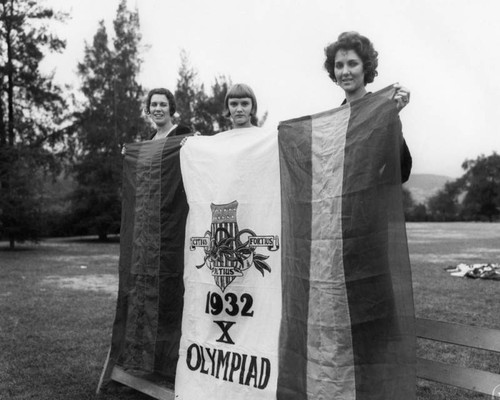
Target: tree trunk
x=12 y=242
x=10 y=79
x=3 y=130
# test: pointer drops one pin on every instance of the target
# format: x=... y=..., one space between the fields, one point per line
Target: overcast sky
x=444 y=51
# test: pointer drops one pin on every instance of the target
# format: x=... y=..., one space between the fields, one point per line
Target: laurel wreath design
x=241 y=251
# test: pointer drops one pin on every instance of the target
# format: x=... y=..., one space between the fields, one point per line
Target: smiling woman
x=349 y=73
x=351 y=62
x=160 y=106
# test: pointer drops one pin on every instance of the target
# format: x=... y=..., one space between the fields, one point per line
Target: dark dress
x=179 y=130
x=406 y=160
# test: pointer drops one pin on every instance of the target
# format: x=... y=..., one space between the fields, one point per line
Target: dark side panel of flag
x=146 y=330
x=350 y=291
x=295 y=166
x=375 y=253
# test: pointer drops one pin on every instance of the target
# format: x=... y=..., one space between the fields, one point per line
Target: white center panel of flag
x=232 y=301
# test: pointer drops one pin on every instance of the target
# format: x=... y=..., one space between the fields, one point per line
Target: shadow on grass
x=30 y=246
x=93 y=239
x=18 y=249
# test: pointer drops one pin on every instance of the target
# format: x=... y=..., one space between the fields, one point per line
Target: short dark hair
x=170 y=97
x=363 y=48
x=239 y=91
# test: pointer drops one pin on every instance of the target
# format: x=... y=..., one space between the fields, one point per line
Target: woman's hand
x=183 y=141
x=402 y=96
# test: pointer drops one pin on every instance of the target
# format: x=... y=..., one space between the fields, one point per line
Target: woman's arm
x=406 y=162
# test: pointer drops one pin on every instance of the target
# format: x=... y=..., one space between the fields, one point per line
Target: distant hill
x=423 y=186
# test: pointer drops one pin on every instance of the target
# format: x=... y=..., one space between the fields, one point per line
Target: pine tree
x=31 y=114
x=188 y=94
x=110 y=118
x=215 y=104
x=202 y=111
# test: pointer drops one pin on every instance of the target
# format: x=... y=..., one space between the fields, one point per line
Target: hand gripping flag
x=296 y=268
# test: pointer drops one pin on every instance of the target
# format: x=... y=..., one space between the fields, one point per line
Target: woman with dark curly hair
x=352 y=63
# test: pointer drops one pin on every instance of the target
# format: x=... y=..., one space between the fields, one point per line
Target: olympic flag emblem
x=229 y=252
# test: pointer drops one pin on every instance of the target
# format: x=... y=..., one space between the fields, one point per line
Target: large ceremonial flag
x=295 y=279
x=297 y=273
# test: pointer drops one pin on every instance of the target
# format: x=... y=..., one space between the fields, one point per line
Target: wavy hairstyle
x=363 y=48
x=170 y=97
x=239 y=91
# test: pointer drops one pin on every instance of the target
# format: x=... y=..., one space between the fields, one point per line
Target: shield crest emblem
x=230 y=251
x=224 y=230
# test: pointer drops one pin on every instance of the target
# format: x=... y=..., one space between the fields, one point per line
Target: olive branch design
x=223 y=248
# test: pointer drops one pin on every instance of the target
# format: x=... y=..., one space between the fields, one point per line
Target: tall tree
x=31 y=113
x=193 y=103
x=209 y=106
x=187 y=92
x=481 y=182
x=199 y=109
x=110 y=118
x=215 y=105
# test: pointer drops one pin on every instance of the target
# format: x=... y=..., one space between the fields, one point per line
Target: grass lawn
x=57 y=303
x=55 y=335
x=439 y=296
